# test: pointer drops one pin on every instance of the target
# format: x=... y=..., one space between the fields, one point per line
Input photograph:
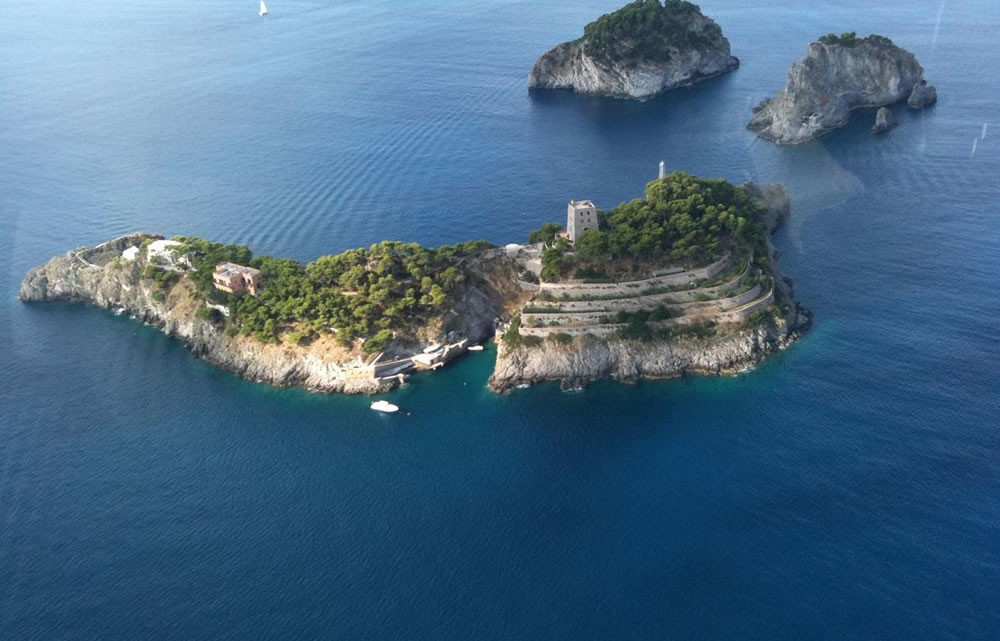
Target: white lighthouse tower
x=663 y=170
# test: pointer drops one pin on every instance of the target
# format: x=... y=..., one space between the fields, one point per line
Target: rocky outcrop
x=884 y=121
x=831 y=81
x=98 y=276
x=922 y=95
x=589 y=359
x=691 y=50
x=729 y=350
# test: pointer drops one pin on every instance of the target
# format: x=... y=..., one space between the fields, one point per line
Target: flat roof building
x=233 y=279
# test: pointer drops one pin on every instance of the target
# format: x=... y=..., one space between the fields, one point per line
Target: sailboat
x=263 y=8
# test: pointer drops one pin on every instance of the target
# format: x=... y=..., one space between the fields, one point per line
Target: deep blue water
x=847 y=489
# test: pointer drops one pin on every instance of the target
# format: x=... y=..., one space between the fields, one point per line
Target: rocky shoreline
x=591 y=360
x=91 y=275
x=493 y=290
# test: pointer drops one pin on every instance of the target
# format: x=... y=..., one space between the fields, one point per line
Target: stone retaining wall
x=593 y=317
x=736 y=315
x=631 y=288
x=641 y=302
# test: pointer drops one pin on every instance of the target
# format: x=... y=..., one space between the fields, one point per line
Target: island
x=639 y=51
x=838 y=75
x=684 y=280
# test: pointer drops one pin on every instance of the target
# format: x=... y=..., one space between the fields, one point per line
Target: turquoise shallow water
x=846 y=489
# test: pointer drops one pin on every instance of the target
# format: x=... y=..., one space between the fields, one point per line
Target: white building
x=581 y=215
x=131 y=253
x=160 y=252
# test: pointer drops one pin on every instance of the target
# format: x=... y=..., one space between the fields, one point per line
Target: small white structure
x=663 y=170
x=222 y=309
x=131 y=253
x=160 y=252
x=581 y=215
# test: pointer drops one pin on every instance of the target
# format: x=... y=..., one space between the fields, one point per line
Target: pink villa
x=232 y=278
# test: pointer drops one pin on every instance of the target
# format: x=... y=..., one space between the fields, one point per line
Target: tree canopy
x=644 y=30
x=359 y=293
x=682 y=220
x=851 y=39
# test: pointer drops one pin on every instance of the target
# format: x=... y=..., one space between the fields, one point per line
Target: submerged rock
x=674 y=45
x=922 y=95
x=884 y=121
x=836 y=76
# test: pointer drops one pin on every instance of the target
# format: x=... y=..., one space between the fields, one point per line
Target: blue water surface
x=847 y=489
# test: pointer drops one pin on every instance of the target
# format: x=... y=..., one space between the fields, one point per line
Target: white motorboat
x=384 y=406
x=475 y=348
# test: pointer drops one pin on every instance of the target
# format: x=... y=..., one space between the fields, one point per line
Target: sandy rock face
x=568 y=66
x=830 y=82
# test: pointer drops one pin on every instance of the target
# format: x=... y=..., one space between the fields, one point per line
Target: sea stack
x=922 y=95
x=641 y=50
x=837 y=75
x=884 y=121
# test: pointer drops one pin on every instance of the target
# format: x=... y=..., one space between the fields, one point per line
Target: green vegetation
x=639 y=329
x=850 y=39
x=683 y=220
x=535 y=309
x=164 y=278
x=645 y=30
x=545 y=233
x=512 y=336
x=359 y=294
x=209 y=313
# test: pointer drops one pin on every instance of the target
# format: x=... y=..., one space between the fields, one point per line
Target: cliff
x=835 y=77
x=739 y=336
x=98 y=276
x=667 y=46
x=589 y=359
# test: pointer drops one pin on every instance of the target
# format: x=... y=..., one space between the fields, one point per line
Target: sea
x=848 y=488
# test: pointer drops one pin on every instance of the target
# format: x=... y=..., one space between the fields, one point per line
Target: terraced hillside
x=684 y=280
x=732 y=296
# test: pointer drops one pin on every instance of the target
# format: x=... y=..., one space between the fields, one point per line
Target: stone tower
x=581 y=215
x=663 y=170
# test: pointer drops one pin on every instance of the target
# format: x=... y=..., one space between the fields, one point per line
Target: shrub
x=209 y=313
x=378 y=342
x=545 y=233
x=531 y=341
x=512 y=336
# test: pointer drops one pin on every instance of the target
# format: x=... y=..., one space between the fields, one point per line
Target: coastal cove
x=845 y=488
